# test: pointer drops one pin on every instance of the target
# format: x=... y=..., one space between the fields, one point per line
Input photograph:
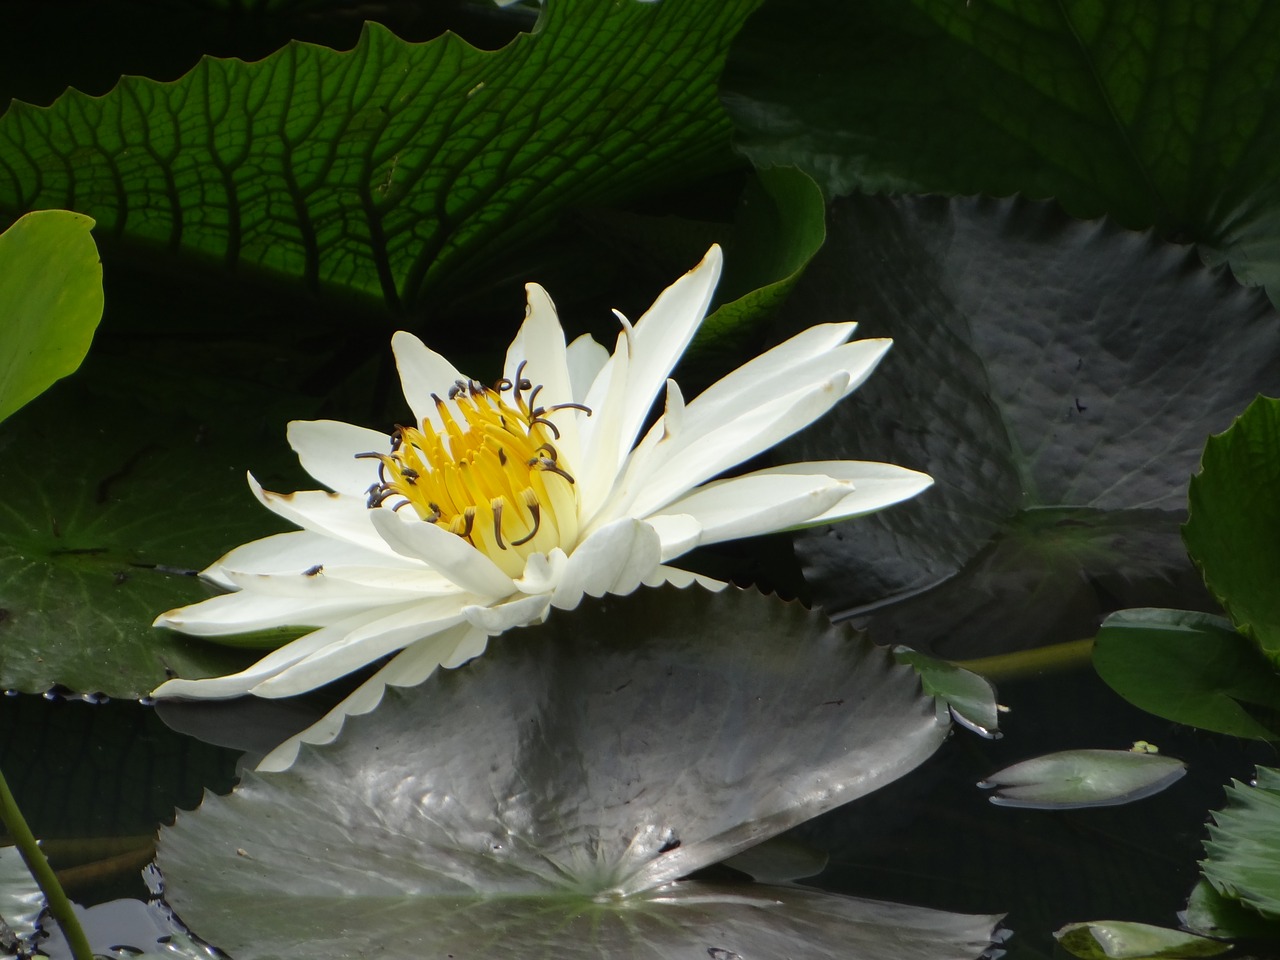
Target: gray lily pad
x=543 y=799
x=1057 y=378
x=1083 y=778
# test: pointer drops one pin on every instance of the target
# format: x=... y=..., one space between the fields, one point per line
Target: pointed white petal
x=422 y=373
x=874 y=485
x=748 y=434
x=678 y=532
x=598 y=434
x=660 y=339
x=364 y=645
x=245 y=612
x=327 y=450
x=331 y=514
x=504 y=616
x=296 y=552
x=755 y=504
x=445 y=552
x=615 y=559
x=585 y=358
x=239 y=684
x=380 y=584
x=540 y=345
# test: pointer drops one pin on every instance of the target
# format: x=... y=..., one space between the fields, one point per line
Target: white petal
x=540 y=344
x=615 y=559
x=756 y=503
x=245 y=612
x=239 y=684
x=874 y=485
x=585 y=359
x=664 y=478
x=598 y=434
x=422 y=373
x=364 y=645
x=297 y=552
x=331 y=514
x=327 y=450
x=678 y=532
x=542 y=573
x=660 y=339
x=445 y=552
x=410 y=667
x=504 y=616
x=380 y=584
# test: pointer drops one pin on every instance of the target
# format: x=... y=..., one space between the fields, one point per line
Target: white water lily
x=502 y=503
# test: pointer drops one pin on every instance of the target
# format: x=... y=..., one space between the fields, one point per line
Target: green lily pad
x=1211 y=914
x=1071 y=779
x=1233 y=528
x=1057 y=379
x=970 y=698
x=1123 y=940
x=571 y=776
x=50 y=302
x=1243 y=848
x=1191 y=668
x=394 y=168
x=108 y=507
x=1157 y=115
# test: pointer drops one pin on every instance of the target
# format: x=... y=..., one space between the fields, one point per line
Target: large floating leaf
x=393 y=167
x=1057 y=379
x=1233 y=530
x=107 y=507
x=1244 y=844
x=1121 y=940
x=541 y=800
x=1191 y=668
x=50 y=302
x=1160 y=115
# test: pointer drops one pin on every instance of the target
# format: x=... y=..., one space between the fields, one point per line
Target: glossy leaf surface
x=601 y=755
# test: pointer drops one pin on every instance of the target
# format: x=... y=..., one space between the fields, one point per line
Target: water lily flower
x=501 y=503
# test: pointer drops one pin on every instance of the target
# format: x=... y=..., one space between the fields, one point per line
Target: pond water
x=96 y=779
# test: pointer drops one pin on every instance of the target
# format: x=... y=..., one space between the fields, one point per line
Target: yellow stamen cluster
x=491 y=475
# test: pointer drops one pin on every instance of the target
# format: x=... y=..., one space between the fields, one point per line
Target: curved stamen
x=535 y=508
x=496 y=506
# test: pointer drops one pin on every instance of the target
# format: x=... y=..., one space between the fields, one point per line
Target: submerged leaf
x=1243 y=848
x=392 y=168
x=1233 y=530
x=1057 y=379
x=1083 y=778
x=1123 y=940
x=50 y=302
x=1190 y=668
x=569 y=776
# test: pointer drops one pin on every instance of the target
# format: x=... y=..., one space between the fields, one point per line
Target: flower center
x=491 y=475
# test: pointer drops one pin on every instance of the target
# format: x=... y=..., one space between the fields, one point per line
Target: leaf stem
x=43 y=874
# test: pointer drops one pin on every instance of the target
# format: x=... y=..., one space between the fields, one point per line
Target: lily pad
x=393 y=168
x=1123 y=940
x=1057 y=379
x=1191 y=668
x=1071 y=779
x=570 y=777
x=1158 y=115
x=970 y=698
x=1233 y=531
x=1243 y=848
x=1211 y=914
x=108 y=506
x=50 y=302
